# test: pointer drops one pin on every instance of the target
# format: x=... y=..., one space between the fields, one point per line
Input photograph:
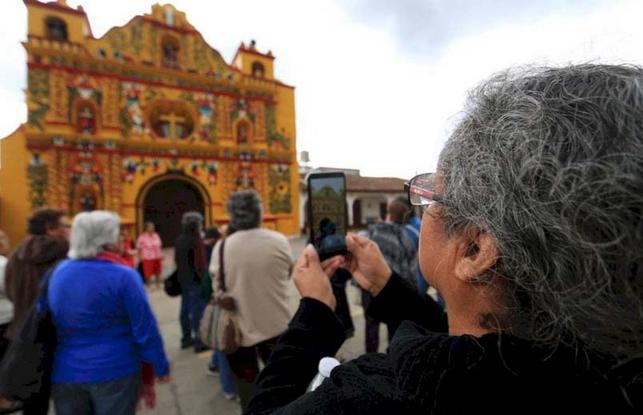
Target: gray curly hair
x=245 y=210
x=191 y=222
x=550 y=162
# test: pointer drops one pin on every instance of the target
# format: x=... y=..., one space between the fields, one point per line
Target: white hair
x=91 y=231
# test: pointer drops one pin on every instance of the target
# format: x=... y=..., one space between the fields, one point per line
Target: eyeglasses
x=420 y=190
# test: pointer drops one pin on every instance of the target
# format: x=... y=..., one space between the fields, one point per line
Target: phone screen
x=327 y=213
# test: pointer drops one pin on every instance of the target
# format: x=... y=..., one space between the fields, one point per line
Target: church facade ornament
x=147 y=101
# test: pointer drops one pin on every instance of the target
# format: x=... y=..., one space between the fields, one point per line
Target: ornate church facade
x=148 y=121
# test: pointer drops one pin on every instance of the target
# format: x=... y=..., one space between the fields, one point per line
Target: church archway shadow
x=164 y=200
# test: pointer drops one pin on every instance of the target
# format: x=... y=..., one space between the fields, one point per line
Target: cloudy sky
x=379 y=82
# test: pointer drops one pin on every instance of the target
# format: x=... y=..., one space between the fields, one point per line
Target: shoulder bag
x=27 y=366
x=219 y=326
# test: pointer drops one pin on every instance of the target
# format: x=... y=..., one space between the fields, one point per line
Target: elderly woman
x=533 y=234
x=105 y=326
x=256 y=267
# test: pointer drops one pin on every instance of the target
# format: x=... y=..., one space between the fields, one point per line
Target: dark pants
x=372 y=327
x=37 y=404
x=114 y=397
x=245 y=366
x=342 y=309
x=192 y=306
x=4 y=342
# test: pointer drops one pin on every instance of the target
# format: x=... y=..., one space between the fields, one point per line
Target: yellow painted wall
x=286 y=121
x=14 y=188
x=38 y=14
x=244 y=60
x=201 y=70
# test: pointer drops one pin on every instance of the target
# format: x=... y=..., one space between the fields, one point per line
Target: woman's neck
x=472 y=311
x=461 y=325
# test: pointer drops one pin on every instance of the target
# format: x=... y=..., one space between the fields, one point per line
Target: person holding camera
x=532 y=232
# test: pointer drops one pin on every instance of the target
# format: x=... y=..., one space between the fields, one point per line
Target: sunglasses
x=420 y=190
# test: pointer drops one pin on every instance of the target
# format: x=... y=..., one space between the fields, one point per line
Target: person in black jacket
x=532 y=233
x=191 y=265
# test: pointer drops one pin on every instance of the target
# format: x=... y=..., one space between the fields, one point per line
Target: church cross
x=173 y=120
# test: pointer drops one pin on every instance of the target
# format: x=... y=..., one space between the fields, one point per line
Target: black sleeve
x=191 y=259
x=313 y=333
x=399 y=300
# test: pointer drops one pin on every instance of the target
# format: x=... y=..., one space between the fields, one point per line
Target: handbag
x=226 y=336
x=26 y=368
x=206 y=325
x=171 y=285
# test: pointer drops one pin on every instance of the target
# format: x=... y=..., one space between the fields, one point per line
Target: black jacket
x=190 y=263
x=426 y=371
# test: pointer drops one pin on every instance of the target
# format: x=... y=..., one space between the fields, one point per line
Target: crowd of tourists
x=531 y=234
x=106 y=350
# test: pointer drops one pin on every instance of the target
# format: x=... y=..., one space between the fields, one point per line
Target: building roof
x=356 y=183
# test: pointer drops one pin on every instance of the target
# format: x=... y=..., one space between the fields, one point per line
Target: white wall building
x=367 y=197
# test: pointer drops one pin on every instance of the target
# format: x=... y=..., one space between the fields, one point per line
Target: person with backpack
x=400 y=253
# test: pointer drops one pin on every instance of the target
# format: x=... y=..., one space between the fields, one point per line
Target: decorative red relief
x=34 y=65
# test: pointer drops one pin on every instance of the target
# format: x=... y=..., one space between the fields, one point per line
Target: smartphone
x=327 y=213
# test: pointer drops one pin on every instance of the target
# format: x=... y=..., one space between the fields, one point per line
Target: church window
x=86 y=119
x=56 y=28
x=170 y=49
x=243 y=132
x=258 y=70
x=171 y=120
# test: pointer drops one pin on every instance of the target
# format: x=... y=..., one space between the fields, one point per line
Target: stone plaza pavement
x=191 y=390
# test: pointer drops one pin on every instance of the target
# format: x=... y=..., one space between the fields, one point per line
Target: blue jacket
x=104 y=323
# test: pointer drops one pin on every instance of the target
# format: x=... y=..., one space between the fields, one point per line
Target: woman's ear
x=477 y=252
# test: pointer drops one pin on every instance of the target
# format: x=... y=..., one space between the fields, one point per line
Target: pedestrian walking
x=150 y=253
x=218 y=362
x=191 y=266
x=401 y=255
x=257 y=266
x=105 y=327
x=46 y=245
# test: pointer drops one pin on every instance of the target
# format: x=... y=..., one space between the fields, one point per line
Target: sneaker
x=212 y=371
x=186 y=343
x=200 y=347
x=231 y=396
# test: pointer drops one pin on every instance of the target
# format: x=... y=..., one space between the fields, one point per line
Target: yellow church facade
x=148 y=121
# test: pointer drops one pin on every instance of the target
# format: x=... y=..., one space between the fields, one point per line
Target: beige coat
x=257 y=275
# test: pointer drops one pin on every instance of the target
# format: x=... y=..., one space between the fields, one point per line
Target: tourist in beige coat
x=257 y=264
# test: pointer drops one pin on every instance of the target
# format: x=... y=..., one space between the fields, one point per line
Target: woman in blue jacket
x=105 y=326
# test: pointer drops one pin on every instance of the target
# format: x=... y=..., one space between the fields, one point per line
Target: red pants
x=152 y=267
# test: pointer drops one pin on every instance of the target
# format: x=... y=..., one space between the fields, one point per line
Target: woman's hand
x=366 y=263
x=163 y=379
x=312 y=278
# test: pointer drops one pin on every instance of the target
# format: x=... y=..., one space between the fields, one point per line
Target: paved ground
x=191 y=391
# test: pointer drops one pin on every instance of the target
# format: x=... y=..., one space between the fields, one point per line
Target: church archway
x=164 y=200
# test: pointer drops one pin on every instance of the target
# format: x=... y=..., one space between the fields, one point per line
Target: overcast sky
x=379 y=82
